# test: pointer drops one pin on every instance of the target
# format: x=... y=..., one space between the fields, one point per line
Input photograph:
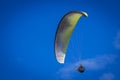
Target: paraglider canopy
x=63 y=33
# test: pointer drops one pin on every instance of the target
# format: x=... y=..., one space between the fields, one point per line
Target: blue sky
x=27 y=32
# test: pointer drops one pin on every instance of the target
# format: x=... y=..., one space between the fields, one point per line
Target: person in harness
x=80 y=69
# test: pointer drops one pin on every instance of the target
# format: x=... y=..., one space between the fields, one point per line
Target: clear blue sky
x=27 y=31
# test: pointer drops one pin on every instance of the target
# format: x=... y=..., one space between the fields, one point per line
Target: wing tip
x=81 y=12
x=61 y=62
x=84 y=13
x=60 y=57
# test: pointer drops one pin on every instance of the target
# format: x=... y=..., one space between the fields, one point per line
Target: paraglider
x=80 y=69
x=63 y=33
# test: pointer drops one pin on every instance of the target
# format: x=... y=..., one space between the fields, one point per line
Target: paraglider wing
x=63 y=33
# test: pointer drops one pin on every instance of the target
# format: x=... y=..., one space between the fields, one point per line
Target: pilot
x=81 y=68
